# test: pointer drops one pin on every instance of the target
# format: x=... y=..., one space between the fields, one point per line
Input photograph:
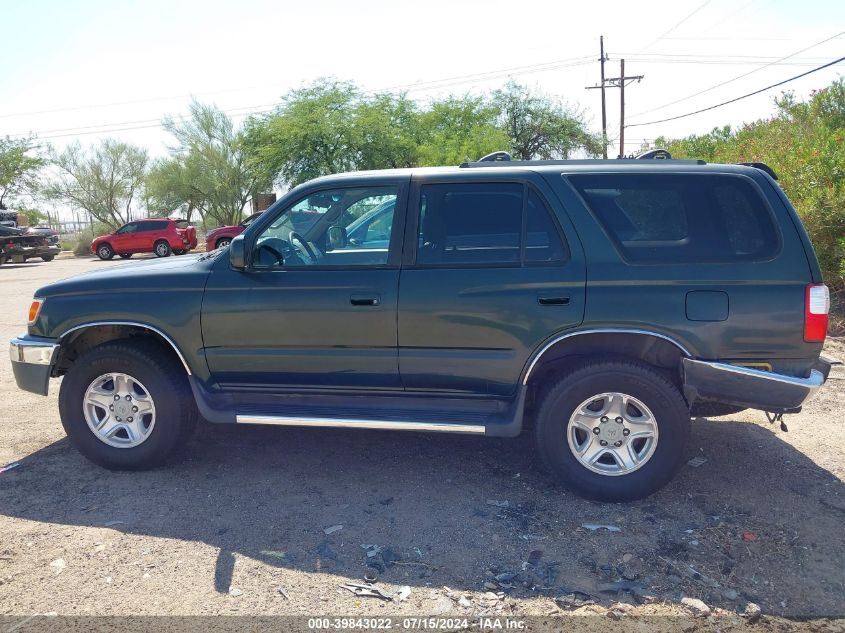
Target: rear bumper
x=32 y=362
x=751 y=388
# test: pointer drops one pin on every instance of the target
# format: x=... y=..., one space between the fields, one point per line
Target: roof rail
x=582 y=161
x=762 y=167
x=655 y=154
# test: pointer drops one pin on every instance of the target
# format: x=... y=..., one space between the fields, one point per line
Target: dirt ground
x=467 y=526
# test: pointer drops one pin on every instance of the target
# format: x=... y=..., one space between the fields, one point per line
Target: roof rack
x=581 y=161
x=762 y=167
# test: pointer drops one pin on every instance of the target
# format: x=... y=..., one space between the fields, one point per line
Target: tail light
x=816 y=309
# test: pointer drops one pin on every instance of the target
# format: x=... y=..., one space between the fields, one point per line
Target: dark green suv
x=601 y=301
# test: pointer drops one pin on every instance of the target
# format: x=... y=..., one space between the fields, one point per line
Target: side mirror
x=338 y=237
x=237 y=256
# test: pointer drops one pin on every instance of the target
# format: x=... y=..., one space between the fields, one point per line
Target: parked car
x=605 y=301
x=45 y=231
x=161 y=236
x=222 y=235
x=19 y=245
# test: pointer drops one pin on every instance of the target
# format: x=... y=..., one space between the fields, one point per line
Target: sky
x=90 y=69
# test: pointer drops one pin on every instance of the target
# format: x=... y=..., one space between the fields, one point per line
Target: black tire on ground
x=105 y=251
x=179 y=251
x=633 y=378
x=162 y=249
x=222 y=242
x=48 y=258
x=160 y=373
x=125 y=255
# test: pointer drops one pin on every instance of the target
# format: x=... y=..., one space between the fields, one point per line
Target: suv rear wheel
x=127 y=405
x=613 y=430
x=162 y=249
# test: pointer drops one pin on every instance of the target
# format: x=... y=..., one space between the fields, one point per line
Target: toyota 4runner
x=600 y=302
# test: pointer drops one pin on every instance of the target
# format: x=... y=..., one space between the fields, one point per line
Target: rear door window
x=485 y=224
x=679 y=218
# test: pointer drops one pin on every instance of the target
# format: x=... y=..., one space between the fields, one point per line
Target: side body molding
x=557 y=339
x=143 y=326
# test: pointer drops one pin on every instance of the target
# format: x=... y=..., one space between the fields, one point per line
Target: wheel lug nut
x=619 y=443
x=597 y=430
x=603 y=442
x=130 y=398
x=116 y=397
x=604 y=418
x=619 y=420
x=129 y=419
x=117 y=418
x=135 y=409
x=111 y=407
x=626 y=432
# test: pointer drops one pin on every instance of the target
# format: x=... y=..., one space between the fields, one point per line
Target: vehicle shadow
x=763 y=519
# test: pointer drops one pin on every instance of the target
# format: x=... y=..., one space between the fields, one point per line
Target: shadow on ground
x=269 y=494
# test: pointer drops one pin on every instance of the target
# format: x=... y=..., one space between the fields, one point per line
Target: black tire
x=180 y=251
x=160 y=373
x=162 y=249
x=125 y=255
x=223 y=242
x=48 y=258
x=105 y=251
x=635 y=379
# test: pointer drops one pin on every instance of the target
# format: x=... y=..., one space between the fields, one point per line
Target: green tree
x=208 y=169
x=104 y=181
x=539 y=127
x=458 y=129
x=171 y=185
x=19 y=168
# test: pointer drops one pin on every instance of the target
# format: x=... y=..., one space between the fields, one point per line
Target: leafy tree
x=19 y=168
x=458 y=129
x=104 y=181
x=541 y=128
x=171 y=185
x=208 y=169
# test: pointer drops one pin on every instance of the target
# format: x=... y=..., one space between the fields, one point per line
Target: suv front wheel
x=613 y=430
x=127 y=405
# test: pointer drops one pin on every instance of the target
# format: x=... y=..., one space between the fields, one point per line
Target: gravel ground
x=468 y=525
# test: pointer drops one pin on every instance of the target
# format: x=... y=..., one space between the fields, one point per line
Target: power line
x=539 y=67
x=700 y=7
x=728 y=81
x=750 y=94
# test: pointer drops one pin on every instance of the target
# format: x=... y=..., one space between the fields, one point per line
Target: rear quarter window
x=681 y=218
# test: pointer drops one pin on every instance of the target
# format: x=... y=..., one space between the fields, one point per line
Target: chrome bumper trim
x=32 y=351
x=752 y=388
x=390 y=425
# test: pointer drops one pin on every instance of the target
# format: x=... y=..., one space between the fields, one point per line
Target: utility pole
x=602 y=59
x=620 y=82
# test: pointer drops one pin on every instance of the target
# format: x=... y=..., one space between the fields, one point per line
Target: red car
x=222 y=235
x=161 y=236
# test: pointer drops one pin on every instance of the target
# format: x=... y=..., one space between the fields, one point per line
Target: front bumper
x=752 y=388
x=32 y=362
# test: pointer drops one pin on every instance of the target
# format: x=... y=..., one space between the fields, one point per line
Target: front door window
x=340 y=227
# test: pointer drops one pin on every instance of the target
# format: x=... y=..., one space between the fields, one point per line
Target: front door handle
x=553 y=301
x=365 y=300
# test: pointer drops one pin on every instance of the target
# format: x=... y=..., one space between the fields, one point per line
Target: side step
x=391 y=412
x=385 y=425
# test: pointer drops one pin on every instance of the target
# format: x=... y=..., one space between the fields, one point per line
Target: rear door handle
x=365 y=300
x=553 y=301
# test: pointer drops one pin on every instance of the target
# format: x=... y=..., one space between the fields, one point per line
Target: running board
x=386 y=425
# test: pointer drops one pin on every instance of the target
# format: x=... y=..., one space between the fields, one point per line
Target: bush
x=83 y=247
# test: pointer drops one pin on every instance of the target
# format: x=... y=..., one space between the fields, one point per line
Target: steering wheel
x=304 y=248
x=274 y=247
